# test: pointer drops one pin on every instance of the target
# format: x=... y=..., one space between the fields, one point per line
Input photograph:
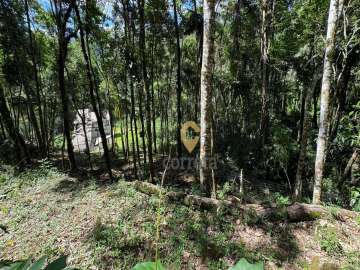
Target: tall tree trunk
x=127 y=62
x=134 y=137
x=123 y=146
x=140 y=96
x=62 y=17
x=324 y=101
x=302 y=114
x=153 y=108
x=51 y=124
x=178 y=80
x=142 y=123
x=133 y=118
x=142 y=47
x=111 y=115
x=43 y=145
x=309 y=93
x=235 y=60
x=264 y=42
x=206 y=95
x=92 y=94
x=65 y=99
x=126 y=131
x=199 y=37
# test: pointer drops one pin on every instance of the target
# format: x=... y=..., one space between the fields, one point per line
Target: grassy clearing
x=114 y=226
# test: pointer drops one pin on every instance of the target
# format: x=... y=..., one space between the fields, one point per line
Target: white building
x=92 y=130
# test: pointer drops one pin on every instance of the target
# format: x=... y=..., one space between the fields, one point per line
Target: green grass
x=108 y=227
x=114 y=227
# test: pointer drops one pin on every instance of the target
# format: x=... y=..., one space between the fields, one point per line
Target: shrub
x=355 y=199
x=329 y=241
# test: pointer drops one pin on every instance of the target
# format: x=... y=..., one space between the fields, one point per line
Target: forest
x=179 y=134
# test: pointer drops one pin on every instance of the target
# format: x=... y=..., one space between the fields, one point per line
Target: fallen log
x=151 y=189
x=293 y=213
x=148 y=188
x=305 y=212
x=206 y=203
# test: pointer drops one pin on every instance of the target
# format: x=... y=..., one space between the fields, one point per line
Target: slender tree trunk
x=178 y=80
x=133 y=117
x=43 y=137
x=51 y=124
x=133 y=121
x=27 y=125
x=111 y=115
x=140 y=95
x=133 y=146
x=124 y=150
x=64 y=99
x=27 y=128
x=264 y=42
x=162 y=128
x=324 y=102
x=206 y=95
x=127 y=62
x=127 y=135
x=153 y=109
x=62 y=17
x=92 y=94
x=302 y=114
x=235 y=60
x=199 y=36
x=83 y=123
x=133 y=139
x=304 y=139
x=142 y=47
x=142 y=123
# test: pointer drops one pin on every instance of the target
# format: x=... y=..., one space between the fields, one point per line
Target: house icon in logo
x=190 y=135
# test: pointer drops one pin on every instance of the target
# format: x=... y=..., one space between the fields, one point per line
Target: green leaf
x=58 y=264
x=149 y=266
x=243 y=264
x=38 y=264
x=19 y=266
x=5 y=264
x=15 y=266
